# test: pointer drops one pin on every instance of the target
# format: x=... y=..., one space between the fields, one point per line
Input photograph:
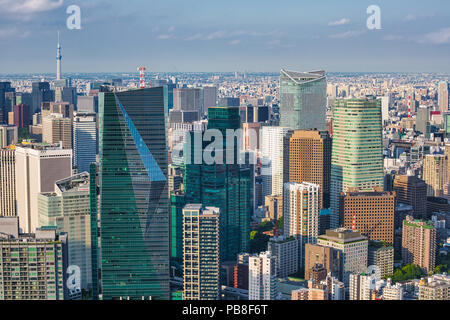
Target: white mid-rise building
x=262 y=277
x=286 y=249
x=84 y=140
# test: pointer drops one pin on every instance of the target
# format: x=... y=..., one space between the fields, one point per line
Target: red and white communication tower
x=142 y=77
x=409 y=107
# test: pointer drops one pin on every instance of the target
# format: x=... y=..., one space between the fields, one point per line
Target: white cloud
x=165 y=36
x=441 y=36
x=410 y=17
x=393 y=37
x=29 y=6
x=234 y=42
x=347 y=34
x=341 y=22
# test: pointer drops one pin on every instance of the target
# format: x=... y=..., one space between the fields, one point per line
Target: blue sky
x=232 y=35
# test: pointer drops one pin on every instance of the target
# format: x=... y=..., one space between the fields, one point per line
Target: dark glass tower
x=134 y=216
x=226 y=186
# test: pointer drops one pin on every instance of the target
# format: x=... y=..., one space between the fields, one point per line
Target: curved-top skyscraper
x=303 y=100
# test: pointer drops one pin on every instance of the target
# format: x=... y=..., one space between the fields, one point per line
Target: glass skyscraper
x=226 y=186
x=303 y=100
x=357 y=151
x=134 y=216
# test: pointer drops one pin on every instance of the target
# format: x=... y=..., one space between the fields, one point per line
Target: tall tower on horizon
x=58 y=60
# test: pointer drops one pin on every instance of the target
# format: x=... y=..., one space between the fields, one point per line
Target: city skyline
x=212 y=37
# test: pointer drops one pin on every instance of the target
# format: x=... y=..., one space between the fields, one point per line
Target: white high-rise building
x=392 y=292
x=385 y=104
x=37 y=170
x=272 y=139
x=84 y=140
x=68 y=209
x=262 y=277
x=7 y=183
x=301 y=213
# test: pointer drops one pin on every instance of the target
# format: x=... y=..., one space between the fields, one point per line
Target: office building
x=371 y=213
x=40 y=93
x=56 y=128
x=303 y=100
x=412 y=191
x=419 y=243
x=188 y=99
x=84 y=140
x=209 y=97
x=240 y=272
x=8 y=183
x=357 y=157
x=9 y=135
x=362 y=286
x=201 y=252
x=226 y=186
x=87 y=104
x=286 y=250
x=63 y=108
x=262 y=277
x=272 y=139
x=134 y=194
x=5 y=87
x=435 y=173
x=327 y=257
x=33 y=266
x=22 y=115
x=301 y=214
x=353 y=248
x=423 y=120
x=37 y=170
x=307 y=157
x=68 y=209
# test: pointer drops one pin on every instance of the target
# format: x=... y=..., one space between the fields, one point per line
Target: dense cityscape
x=294 y=185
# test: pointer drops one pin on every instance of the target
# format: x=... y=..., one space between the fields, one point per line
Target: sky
x=225 y=36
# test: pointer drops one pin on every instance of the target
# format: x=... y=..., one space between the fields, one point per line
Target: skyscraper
x=8 y=183
x=301 y=213
x=22 y=115
x=4 y=88
x=84 y=140
x=357 y=154
x=444 y=97
x=303 y=100
x=226 y=186
x=307 y=157
x=40 y=93
x=272 y=139
x=9 y=135
x=201 y=252
x=188 y=99
x=134 y=215
x=37 y=170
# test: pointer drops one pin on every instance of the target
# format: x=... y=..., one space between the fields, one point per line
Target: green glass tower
x=226 y=186
x=303 y=100
x=134 y=208
x=93 y=201
x=357 y=151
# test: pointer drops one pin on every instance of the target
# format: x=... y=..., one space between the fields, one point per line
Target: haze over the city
x=201 y=35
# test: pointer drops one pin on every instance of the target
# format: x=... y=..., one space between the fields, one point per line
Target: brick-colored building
x=371 y=213
x=328 y=257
